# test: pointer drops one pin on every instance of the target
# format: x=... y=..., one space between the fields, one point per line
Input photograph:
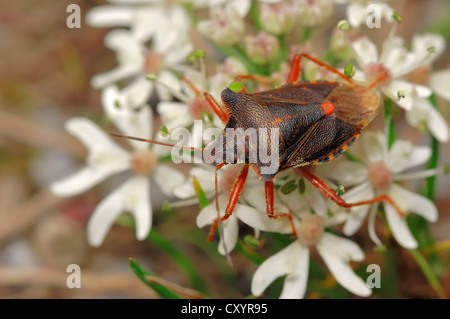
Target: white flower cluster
x=154 y=44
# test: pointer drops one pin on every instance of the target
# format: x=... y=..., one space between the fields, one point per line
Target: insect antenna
x=156 y=142
x=218 y=222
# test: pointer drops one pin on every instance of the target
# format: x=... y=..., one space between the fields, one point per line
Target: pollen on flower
x=310 y=229
x=380 y=176
x=154 y=62
x=143 y=162
x=373 y=71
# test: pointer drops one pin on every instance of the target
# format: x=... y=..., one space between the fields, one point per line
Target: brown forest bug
x=316 y=121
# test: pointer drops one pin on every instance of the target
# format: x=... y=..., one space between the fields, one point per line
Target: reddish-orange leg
x=256 y=78
x=270 y=210
x=240 y=180
x=234 y=196
x=331 y=194
x=211 y=101
x=296 y=68
x=315 y=181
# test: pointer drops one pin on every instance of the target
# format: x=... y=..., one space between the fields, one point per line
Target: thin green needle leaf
x=432 y=163
x=159 y=289
x=389 y=114
x=202 y=199
x=181 y=259
x=428 y=272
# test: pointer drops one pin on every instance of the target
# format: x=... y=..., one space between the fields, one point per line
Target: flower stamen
x=310 y=229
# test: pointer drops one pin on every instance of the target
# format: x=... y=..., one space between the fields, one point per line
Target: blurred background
x=45 y=69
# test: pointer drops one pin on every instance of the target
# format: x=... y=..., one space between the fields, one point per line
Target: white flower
x=304 y=198
x=143 y=18
x=311 y=13
x=395 y=61
x=106 y=158
x=358 y=11
x=225 y=27
x=381 y=169
x=242 y=7
x=191 y=106
x=293 y=260
x=167 y=54
x=440 y=83
x=426 y=117
x=423 y=114
x=278 y=18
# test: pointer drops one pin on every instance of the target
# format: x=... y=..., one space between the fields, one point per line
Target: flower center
x=228 y=178
x=379 y=176
x=197 y=106
x=373 y=72
x=154 y=63
x=310 y=229
x=143 y=161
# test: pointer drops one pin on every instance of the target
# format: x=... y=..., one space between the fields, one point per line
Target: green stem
x=181 y=259
x=389 y=281
x=429 y=191
x=254 y=15
x=389 y=114
x=161 y=290
x=239 y=53
x=282 y=55
x=428 y=272
x=306 y=35
x=419 y=224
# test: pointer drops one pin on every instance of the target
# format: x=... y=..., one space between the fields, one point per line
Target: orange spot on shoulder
x=327 y=108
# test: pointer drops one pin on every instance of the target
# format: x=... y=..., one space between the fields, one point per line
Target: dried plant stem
x=179 y=290
x=94 y=283
x=27 y=213
x=29 y=132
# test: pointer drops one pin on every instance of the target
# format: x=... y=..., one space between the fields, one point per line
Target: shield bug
x=314 y=122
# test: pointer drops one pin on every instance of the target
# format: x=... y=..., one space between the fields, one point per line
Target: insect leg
x=296 y=67
x=269 y=205
x=216 y=107
x=211 y=101
x=234 y=196
x=331 y=194
x=257 y=78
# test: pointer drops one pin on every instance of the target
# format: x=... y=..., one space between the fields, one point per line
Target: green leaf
x=340 y=190
x=202 y=199
x=349 y=70
x=289 y=187
x=236 y=86
x=166 y=207
x=301 y=186
x=397 y=17
x=161 y=290
x=180 y=259
x=251 y=241
x=199 y=53
x=164 y=131
x=389 y=113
